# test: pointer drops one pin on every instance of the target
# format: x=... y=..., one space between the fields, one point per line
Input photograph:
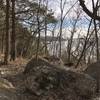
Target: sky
x=82 y=24
x=68 y=22
x=55 y=5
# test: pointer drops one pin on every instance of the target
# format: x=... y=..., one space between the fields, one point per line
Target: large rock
x=33 y=63
x=94 y=71
x=49 y=82
x=54 y=60
x=7 y=91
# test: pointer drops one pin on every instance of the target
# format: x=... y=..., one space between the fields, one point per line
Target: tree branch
x=88 y=12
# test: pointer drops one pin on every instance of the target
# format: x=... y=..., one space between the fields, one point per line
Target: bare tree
x=38 y=25
x=95 y=27
x=13 y=36
x=73 y=31
x=88 y=12
x=87 y=43
x=45 y=20
x=62 y=18
x=61 y=24
x=7 y=33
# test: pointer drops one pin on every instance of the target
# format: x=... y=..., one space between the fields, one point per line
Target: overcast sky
x=67 y=25
x=82 y=24
x=55 y=5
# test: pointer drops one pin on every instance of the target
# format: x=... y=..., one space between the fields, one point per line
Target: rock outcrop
x=48 y=82
x=7 y=91
x=34 y=62
x=44 y=81
x=94 y=71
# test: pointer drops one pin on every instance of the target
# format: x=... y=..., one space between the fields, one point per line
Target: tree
x=85 y=45
x=38 y=25
x=94 y=15
x=95 y=27
x=62 y=18
x=13 y=36
x=61 y=24
x=73 y=31
x=88 y=12
x=25 y=19
x=7 y=33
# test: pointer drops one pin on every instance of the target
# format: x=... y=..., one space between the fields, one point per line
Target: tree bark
x=46 y=30
x=2 y=43
x=95 y=28
x=12 y=52
x=7 y=33
x=38 y=25
x=61 y=24
x=85 y=44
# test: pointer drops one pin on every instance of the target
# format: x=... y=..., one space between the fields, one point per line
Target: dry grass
x=19 y=61
x=13 y=67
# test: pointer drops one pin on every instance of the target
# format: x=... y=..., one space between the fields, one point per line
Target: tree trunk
x=2 y=43
x=45 y=35
x=12 y=52
x=61 y=24
x=96 y=37
x=45 y=22
x=7 y=33
x=85 y=44
x=38 y=40
x=71 y=41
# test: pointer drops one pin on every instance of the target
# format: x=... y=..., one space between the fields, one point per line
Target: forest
x=49 y=49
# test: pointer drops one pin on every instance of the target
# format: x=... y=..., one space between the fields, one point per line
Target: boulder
x=54 y=60
x=94 y=71
x=7 y=91
x=34 y=62
x=48 y=82
x=6 y=84
x=44 y=81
